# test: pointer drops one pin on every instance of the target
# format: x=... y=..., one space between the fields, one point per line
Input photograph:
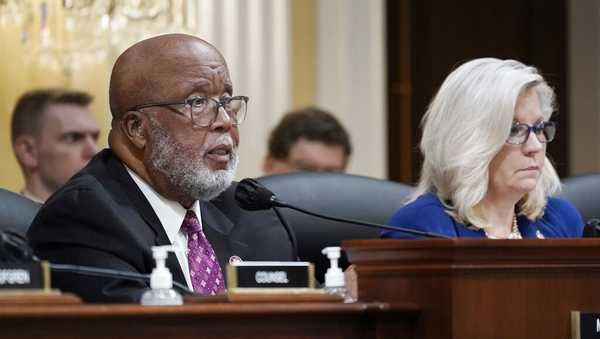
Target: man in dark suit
x=166 y=179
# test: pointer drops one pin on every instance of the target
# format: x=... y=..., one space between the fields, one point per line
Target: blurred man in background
x=54 y=135
x=308 y=139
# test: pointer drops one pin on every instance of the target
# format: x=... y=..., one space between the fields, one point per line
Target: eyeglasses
x=204 y=110
x=519 y=133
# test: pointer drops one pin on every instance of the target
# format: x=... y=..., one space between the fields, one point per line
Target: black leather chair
x=16 y=211
x=583 y=191
x=334 y=194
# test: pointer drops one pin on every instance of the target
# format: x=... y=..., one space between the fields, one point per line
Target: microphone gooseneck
x=254 y=196
x=14 y=249
x=108 y=273
x=364 y=223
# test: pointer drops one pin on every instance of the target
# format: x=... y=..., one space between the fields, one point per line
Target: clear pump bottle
x=161 y=290
x=334 y=277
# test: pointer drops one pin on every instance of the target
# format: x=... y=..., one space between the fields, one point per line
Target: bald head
x=149 y=71
x=181 y=161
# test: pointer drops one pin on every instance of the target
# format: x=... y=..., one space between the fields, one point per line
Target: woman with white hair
x=485 y=170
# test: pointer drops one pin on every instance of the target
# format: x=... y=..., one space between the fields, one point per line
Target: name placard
x=253 y=276
x=24 y=276
x=585 y=325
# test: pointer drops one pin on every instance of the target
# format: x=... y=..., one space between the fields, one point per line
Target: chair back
x=339 y=195
x=16 y=211
x=583 y=191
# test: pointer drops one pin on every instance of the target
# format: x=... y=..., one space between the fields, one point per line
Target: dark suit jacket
x=101 y=218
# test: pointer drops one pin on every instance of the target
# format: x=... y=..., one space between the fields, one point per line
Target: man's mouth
x=220 y=153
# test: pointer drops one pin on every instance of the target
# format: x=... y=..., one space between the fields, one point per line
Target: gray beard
x=186 y=171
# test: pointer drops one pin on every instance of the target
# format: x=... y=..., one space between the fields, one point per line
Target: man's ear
x=134 y=125
x=267 y=164
x=272 y=165
x=26 y=151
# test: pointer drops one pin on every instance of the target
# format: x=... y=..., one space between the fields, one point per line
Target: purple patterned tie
x=205 y=271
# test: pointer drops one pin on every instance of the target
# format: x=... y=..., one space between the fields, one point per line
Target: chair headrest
x=16 y=211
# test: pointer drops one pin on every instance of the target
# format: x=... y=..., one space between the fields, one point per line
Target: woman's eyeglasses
x=519 y=132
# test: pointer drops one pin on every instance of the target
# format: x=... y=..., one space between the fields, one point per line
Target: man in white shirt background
x=54 y=135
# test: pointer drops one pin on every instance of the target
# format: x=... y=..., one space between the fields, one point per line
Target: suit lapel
x=138 y=199
x=144 y=208
x=467 y=232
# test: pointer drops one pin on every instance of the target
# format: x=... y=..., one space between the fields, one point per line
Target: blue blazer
x=426 y=213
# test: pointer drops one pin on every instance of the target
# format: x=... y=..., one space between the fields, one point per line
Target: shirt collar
x=31 y=196
x=169 y=212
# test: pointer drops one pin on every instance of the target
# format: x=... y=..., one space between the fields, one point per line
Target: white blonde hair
x=467 y=124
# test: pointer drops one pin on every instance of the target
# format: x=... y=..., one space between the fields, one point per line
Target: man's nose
x=90 y=147
x=222 y=121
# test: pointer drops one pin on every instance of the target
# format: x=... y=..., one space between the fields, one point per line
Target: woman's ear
x=134 y=126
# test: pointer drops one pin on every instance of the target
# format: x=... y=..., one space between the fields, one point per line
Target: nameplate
x=585 y=325
x=252 y=276
x=24 y=276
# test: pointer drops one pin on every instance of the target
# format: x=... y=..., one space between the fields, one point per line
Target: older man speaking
x=166 y=179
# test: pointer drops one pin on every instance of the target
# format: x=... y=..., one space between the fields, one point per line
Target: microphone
x=252 y=195
x=14 y=247
x=592 y=228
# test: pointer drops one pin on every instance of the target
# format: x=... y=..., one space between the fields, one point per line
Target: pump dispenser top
x=334 y=276
x=161 y=276
x=161 y=290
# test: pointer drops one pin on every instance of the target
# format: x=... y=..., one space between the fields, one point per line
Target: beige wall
x=304 y=63
x=18 y=74
x=311 y=33
x=351 y=77
x=248 y=66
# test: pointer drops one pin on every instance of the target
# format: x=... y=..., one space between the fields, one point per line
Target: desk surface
x=210 y=320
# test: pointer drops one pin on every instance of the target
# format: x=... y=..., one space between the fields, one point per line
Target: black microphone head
x=14 y=247
x=592 y=228
x=253 y=196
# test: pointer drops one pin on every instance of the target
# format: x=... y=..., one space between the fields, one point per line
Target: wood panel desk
x=221 y=320
x=459 y=288
x=471 y=288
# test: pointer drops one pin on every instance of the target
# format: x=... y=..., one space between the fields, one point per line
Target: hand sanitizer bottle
x=334 y=278
x=161 y=290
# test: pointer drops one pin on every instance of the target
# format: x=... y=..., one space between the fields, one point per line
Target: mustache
x=225 y=139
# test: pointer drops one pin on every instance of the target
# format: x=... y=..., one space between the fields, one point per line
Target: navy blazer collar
x=527 y=228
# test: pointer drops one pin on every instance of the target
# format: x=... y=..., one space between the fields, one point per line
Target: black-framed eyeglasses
x=204 y=110
x=544 y=131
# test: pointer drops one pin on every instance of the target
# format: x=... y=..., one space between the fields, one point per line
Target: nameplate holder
x=24 y=276
x=270 y=276
x=585 y=325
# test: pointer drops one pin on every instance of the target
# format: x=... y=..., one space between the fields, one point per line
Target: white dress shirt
x=31 y=196
x=171 y=215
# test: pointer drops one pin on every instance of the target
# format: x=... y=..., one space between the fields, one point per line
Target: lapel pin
x=234 y=259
